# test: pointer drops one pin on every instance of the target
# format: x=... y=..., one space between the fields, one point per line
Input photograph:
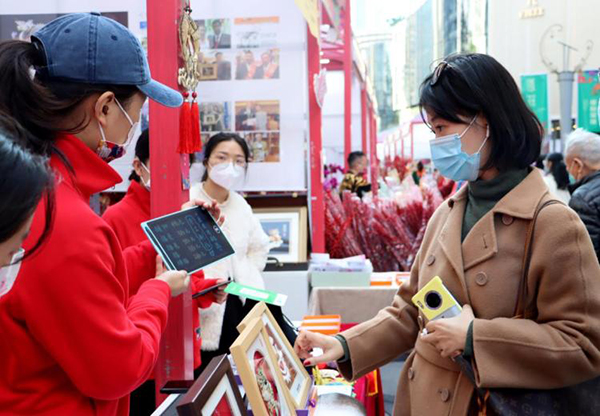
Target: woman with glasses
x=226 y=158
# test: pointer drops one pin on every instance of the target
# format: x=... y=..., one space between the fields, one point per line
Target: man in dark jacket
x=583 y=163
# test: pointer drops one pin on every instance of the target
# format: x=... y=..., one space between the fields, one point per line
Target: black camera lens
x=433 y=300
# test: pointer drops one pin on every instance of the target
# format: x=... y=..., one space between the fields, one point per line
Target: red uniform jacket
x=125 y=218
x=72 y=339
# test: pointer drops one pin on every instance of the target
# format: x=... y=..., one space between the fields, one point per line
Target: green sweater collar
x=484 y=195
x=495 y=189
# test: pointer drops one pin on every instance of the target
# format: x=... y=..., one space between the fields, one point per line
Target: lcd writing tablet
x=188 y=240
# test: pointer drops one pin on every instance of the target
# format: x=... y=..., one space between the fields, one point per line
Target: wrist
x=344 y=350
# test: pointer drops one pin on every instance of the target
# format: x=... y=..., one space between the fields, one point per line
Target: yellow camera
x=435 y=301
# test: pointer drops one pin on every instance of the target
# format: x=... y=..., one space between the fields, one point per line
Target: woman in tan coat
x=475 y=242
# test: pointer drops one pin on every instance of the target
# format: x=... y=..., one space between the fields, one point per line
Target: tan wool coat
x=561 y=347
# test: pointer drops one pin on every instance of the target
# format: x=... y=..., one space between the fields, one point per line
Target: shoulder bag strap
x=521 y=306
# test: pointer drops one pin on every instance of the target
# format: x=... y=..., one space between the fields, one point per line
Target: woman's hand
x=220 y=295
x=212 y=208
x=177 y=281
x=449 y=335
x=306 y=341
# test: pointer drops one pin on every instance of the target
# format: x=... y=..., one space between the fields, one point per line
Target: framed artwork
x=214 y=393
x=287 y=231
x=257 y=366
x=294 y=375
x=208 y=72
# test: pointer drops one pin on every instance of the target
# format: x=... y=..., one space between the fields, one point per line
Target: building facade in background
x=374 y=35
x=437 y=29
x=534 y=48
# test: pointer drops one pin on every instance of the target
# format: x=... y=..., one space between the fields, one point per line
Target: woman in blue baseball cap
x=74 y=341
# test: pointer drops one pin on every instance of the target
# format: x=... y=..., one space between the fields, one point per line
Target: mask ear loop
x=124 y=112
x=487 y=136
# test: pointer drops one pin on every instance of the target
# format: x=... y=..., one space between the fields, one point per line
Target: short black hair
x=142 y=152
x=560 y=174
x=26 y=180
x=555 y=157
x=219 y=138
x=465 y=85
x=540 y=162
x=354 y=157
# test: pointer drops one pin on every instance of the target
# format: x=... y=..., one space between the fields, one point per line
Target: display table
x=328 y=405
x=354 y=304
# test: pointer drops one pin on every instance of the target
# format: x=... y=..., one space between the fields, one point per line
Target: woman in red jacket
x=74 y=341
x=125 y=218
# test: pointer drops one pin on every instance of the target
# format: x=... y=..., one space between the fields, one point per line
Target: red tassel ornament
x=195 y=125
x=185 y=127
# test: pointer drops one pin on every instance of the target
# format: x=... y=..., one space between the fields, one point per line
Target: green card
x=253 y=293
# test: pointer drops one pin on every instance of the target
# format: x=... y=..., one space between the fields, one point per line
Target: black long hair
x=25 y=179
x=41 y=105
x=559 y=170
x=219 y=138
x=142 y=152
x=466 y=85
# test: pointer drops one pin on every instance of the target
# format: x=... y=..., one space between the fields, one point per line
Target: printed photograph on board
x=214 y=33
x=215 y=117
x=22 y=26
x=257 y=115
x=256 y=32
x=264 y=147
x=215 y=66
x=256 y=64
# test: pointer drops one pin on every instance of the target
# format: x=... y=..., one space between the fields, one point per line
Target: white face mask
x=8 y=274
x=146 y=184
x=227 y=175
x=110 y=151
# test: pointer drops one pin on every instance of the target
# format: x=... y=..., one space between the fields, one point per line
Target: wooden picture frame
x=293 y=247
x=261 y=378
x=215 y=389
x=294 y=375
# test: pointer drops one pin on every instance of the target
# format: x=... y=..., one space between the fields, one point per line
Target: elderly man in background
x=583 y=163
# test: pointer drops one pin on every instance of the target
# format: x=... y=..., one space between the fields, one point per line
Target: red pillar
x=347 y=81
x=176 y=354
x=317 y=202
x=363 y=117
x=373 y=147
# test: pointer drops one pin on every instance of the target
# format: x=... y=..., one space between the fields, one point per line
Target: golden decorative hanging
x=188 y=77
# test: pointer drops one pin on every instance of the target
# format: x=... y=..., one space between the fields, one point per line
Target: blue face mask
x=448 y=157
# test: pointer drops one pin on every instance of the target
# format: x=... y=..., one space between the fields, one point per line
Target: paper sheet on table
x=342 y=389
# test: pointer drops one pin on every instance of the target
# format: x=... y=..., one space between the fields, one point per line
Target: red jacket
x=125 y=218
x=72 y=339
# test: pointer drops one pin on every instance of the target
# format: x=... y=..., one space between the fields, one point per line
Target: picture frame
x=287 y=231
x=208 y=72
x=261 y=378
x=215 y=392
x=295 y=376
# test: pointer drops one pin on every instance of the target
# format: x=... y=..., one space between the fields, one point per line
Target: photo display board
x=254 y=83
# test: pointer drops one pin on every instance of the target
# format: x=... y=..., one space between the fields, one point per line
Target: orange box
x=322 y=324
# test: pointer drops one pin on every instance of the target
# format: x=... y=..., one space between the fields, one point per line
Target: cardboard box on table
x=340 y=279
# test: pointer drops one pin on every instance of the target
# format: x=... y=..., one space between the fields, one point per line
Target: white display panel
x=267 y=107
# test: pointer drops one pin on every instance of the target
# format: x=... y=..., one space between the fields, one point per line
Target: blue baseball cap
x=93 y=49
